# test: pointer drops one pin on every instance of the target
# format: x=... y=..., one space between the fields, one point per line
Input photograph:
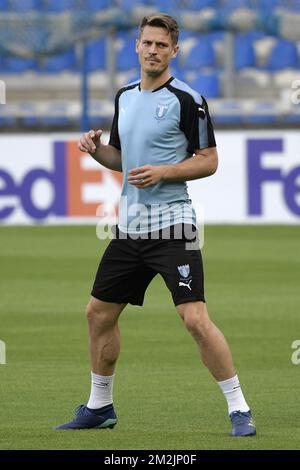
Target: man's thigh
x=122 y=277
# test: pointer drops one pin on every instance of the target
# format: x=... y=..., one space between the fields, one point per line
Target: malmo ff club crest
x=185 y=280
x=161 y=111
x=184 y=270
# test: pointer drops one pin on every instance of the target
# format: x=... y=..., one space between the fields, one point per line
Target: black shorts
x=129 y=265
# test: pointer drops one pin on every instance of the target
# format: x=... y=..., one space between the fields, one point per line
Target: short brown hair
x=161 y=20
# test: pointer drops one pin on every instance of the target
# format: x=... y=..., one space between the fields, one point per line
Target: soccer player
x=161 y=137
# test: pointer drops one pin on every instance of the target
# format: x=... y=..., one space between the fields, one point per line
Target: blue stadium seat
x=129 y=5
x=184 y=34
x=7 y=121
x=293 y=118
x=98 y=122
x=24 y=5
x=263 y=112
x=57 y=114
x=197 y=4
x=162 y=5
x=174 y=5
x=3 y=5
x=234 y=4
x=283 y=55
x=57 y=6
x=96 y=54
x=201 y=55
x=177 y=72
x=59 y=63
x=244 y=55
x=295 y=6
x=216 y=36
x=98 y=115
x=230 y=112
x=269 y=5
x=207 y=84
x=57 y=121
x=18 y=65
x=255 y=35
x=96 y=5
x=29 y=112
x=126 y=56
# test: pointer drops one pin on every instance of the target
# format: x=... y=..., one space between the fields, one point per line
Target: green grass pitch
x=164 y=397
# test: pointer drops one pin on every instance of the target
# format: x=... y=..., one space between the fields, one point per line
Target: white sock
x=101 y=391
x=233 y=393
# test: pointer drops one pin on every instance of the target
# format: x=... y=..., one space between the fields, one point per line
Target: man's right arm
x=106 y=155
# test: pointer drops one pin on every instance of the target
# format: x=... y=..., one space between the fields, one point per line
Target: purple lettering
x=257 y=175
x=9 y=189
x=292 y=189
x=57 y=179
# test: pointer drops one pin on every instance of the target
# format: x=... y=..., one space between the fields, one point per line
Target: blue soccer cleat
x=242 y=423
x=87 y=419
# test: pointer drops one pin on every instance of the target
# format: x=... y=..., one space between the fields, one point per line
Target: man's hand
x=90 y=141
x=145 y=176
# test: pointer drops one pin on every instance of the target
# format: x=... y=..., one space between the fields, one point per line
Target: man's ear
x=175 y=51
x=137 y=41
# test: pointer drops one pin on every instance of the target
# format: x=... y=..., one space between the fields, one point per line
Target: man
x=161 y=137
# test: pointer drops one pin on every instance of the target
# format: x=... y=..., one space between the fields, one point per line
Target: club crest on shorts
x=184 y=270
x=161 y=111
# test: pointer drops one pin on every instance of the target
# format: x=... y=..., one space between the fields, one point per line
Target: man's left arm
x=202 y=164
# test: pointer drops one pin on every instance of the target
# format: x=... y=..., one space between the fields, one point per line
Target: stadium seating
x=230 y=5
x=3 y=5
x=29 y=115
x=126 y=58
x=293 y=117
x=7 y=121
x=130 y=5
x=229 y=112
x=24 y=5
x=59 y=63
x=263 y=112
x=265 y=61
x=177 y=72
x=96 y=55
x=202 y=54
x=268 y=5
x=57 y=115
x=207 y=84
x=191 y=5
x=283 y=55
x=17 y=65
x=243 y=52
x=96 y=5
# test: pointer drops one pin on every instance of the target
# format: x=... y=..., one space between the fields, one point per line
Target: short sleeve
x=196 y=124
x=114 y=138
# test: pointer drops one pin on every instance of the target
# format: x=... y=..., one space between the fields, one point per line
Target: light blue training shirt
x=158 y=127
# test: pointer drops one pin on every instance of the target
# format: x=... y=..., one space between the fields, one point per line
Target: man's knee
x=196 y=319
x=102 y=313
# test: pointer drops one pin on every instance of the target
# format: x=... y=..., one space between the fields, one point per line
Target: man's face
x=155 y=50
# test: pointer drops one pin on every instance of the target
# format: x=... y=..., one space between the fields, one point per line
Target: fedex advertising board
x=46 y=179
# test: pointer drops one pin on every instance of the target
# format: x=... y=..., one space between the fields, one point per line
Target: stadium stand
x=207 y=84
x=41 y=44
x=96 y=54
x=59 y=63
x=283 y=55
x=24 y=6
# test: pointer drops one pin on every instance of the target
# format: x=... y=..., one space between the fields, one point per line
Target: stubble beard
x=155 y=73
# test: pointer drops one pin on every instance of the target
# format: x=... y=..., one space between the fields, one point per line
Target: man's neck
x=152 y=83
